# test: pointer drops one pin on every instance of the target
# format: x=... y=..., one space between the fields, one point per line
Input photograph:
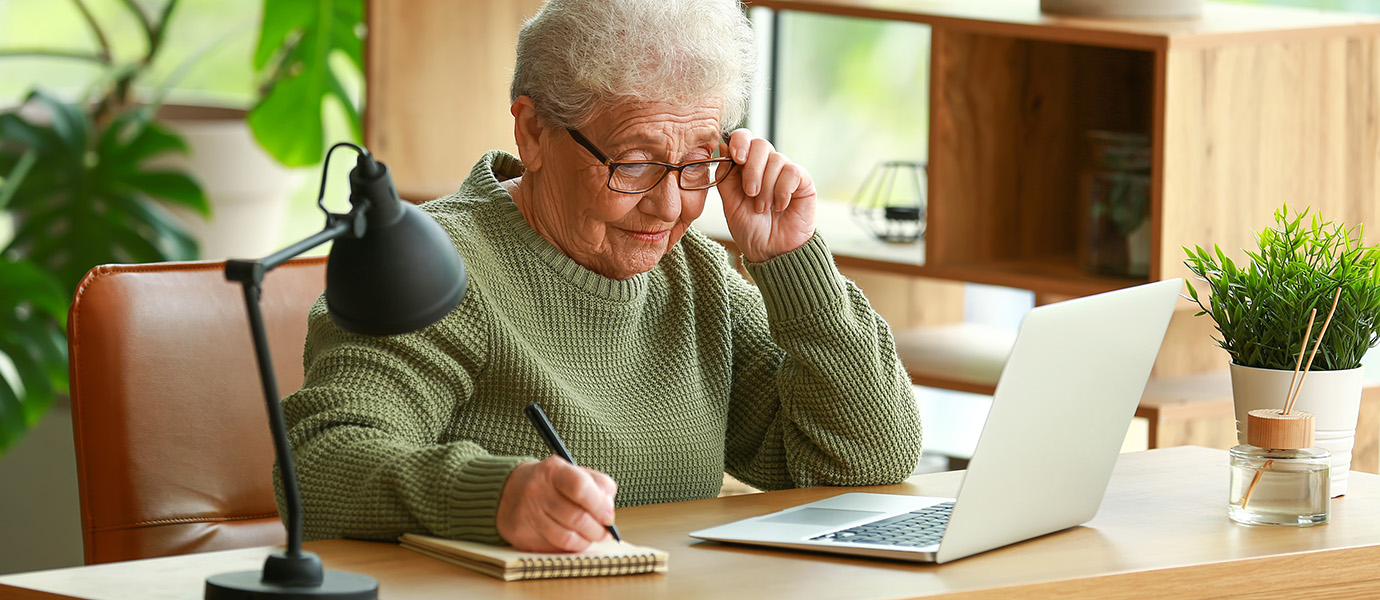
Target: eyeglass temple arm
x=588 y=145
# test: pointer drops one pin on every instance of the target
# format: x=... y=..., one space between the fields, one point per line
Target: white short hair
x=578 y=57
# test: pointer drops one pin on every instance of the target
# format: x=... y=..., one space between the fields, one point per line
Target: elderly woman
x=591 y=294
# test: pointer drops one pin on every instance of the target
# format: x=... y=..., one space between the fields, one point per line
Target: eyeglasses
x=637 y=176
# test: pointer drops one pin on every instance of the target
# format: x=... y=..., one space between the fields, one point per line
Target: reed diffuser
x=1278 y=477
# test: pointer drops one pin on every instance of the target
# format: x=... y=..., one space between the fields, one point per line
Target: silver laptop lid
x=1060 y=412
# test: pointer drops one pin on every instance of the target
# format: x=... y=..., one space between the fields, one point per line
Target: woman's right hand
x=554 y=506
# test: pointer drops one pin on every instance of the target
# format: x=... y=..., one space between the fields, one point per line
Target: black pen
x=553 y=441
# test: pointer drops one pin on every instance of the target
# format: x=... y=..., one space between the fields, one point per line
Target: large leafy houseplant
x=296 y=40
x=80 y=191
x=1262 y=308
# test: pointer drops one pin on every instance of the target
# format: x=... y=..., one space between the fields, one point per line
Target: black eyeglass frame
x=614 y=164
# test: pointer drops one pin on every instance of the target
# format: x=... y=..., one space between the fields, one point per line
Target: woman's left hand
x=769 y=201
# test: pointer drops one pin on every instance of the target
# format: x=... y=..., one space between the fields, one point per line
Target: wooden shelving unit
x=1247 y=107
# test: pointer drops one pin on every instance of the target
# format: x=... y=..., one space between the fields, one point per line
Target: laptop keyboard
x=913 y=529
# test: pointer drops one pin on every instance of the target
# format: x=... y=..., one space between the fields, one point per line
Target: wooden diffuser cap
x=1271 y=428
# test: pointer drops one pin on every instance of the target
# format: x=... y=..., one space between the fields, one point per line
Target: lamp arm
x=337 y=226
x=250 y=275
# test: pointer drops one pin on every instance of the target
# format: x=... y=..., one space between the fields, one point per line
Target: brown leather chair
x=174 y=453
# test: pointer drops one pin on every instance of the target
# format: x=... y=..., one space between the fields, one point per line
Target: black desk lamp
x=392 y=270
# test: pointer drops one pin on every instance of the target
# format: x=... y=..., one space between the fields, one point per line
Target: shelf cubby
x=1009 y=119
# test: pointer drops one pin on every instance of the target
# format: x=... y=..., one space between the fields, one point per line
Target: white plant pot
x=248 y=190
x=1334 y=398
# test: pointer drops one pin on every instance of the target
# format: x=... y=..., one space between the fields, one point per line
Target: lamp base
x=243 y=585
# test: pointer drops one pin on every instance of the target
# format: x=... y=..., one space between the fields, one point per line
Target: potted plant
x=1263 y=309
x=116 y=177
x=80 y=183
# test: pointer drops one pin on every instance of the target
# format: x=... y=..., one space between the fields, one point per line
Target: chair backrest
x=173 y=448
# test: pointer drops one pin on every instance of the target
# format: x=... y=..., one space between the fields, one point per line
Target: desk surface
x=1162 y=526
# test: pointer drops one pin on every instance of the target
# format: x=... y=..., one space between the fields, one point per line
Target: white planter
x=1334 y=398
x=247 y=189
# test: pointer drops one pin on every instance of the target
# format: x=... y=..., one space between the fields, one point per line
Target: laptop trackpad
x=824 y=517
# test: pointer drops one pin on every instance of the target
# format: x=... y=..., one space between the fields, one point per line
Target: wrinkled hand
x=769 y=201
x=554 y=506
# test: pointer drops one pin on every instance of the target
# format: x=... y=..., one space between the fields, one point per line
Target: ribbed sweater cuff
x=474 y=494
x=798 y=282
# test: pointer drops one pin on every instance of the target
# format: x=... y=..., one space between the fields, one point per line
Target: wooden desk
x=1162 y=528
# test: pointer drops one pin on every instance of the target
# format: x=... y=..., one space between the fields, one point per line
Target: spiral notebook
x=503 y=562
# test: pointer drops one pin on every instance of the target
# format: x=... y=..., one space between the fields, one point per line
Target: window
x=848 y=93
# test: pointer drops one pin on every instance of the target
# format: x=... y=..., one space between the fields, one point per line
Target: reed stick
x=1255 y=480
x=1303 y=347
x=1288 y=406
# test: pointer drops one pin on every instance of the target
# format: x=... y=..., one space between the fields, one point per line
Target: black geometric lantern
x=891 y=202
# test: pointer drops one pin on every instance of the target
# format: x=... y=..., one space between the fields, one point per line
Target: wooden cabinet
x=1247 y=107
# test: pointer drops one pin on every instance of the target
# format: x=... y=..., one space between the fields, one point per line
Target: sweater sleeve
x=819 y=396
x=364 y=431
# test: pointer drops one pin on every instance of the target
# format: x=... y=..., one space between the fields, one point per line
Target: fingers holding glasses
x=768 y=177
x=768 y=201
x=754 y=167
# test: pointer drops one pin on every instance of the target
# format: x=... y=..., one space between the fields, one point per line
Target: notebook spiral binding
x=585 y=566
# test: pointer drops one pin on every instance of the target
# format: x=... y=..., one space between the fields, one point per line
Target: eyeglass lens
x=640 y=177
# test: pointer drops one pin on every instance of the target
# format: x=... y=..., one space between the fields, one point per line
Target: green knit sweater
x=664 y=381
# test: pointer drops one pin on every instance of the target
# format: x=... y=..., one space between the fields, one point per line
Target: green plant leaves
x=1261 y=309
x=296 y=40
x=32 y=311
x=86 y=201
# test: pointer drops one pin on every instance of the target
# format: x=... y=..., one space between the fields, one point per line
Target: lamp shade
x=402 y=274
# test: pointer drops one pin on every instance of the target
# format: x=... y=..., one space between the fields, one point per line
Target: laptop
x=1059 y=415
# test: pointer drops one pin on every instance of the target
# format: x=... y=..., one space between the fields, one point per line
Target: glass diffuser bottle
x=1278 y=477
